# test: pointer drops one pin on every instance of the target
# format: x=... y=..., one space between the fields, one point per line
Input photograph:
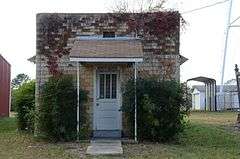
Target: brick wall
x=165 y=64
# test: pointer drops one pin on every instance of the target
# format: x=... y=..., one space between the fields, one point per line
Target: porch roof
x=107 y=50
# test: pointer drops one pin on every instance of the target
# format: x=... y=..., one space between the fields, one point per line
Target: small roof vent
x=109 y=34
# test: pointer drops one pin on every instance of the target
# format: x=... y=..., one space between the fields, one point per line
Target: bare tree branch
x=121 y=6
x=140 y=6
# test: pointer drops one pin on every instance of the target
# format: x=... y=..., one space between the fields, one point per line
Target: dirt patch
x=76 y=149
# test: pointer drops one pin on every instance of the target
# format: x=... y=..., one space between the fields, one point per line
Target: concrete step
x=105 y=147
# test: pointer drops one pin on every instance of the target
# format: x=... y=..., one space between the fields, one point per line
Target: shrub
x=24 y=101
x=58 y=107
x=13 y=100
x=160 y=108
x=19 y=80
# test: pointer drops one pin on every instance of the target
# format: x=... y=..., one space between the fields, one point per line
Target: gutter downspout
x=215 y=96
x=78 y=101
x=205 y=99
x=135 y=100
x=238 y=84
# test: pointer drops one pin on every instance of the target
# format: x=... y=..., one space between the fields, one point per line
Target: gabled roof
x=107 y=48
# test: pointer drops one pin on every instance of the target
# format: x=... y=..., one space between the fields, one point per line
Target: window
x=108 y=91
x=114 y=85
x=108 y=86
x=101 y=86
x=108 y=34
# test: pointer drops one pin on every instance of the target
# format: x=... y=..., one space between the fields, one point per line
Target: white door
x=107 y=108
x=197 y=101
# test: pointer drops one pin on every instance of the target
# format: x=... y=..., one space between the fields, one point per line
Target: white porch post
x=78 y=100
x=135 y=114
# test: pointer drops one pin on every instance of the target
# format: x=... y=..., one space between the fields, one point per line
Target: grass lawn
x=15 y=145
x=209 y=135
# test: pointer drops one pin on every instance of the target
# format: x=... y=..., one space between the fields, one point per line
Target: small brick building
x=5 y=77
x=104 y=56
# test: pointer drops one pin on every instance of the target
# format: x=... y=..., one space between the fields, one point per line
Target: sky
x=202 y=39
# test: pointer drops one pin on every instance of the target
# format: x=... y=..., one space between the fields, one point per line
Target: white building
x=198 y=98
x=229 y=99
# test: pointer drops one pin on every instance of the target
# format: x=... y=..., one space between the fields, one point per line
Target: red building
x=5 y=77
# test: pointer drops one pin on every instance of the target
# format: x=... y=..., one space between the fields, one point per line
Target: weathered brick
x=95 y=24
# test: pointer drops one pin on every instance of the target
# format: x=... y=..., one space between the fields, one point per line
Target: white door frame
x=119 y=95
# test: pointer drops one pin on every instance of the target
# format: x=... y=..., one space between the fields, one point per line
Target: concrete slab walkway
x=105 y=147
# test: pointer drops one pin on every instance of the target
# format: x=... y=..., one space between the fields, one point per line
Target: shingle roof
x=107 y=48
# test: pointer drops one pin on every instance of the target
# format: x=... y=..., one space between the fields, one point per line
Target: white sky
x=202 y=42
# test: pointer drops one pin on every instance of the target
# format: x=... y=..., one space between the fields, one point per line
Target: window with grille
x=108 y=86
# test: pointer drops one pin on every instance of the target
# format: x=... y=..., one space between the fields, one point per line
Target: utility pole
x=238 y=88
x=226 y=45
x=237 y=73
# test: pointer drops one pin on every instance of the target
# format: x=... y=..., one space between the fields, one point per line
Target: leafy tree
x=231 y=82
x=16 y=83
x=19 y=80
x=24 y=103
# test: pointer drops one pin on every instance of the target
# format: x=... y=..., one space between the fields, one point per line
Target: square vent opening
x=109 y=34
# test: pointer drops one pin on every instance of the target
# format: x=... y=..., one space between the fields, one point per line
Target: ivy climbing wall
x=54 y=40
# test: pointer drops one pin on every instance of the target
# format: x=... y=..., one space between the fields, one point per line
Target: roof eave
x=107 y=59
x=183 y=59
x=32 y=59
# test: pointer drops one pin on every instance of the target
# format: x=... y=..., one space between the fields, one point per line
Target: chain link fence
x=227 y=101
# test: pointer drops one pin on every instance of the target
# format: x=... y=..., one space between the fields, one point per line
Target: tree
x=16 y=83
x=136 y=6
x=19 y=80
x=231 y=82
x=24 y=104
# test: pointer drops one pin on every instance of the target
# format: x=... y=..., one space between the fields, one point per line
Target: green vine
x=53 y=38
x=54 y=31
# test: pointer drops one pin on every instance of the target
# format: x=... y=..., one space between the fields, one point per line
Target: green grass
x=16 y=145
x=209 y=135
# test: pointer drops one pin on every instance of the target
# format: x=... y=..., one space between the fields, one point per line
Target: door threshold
x=111 y=134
